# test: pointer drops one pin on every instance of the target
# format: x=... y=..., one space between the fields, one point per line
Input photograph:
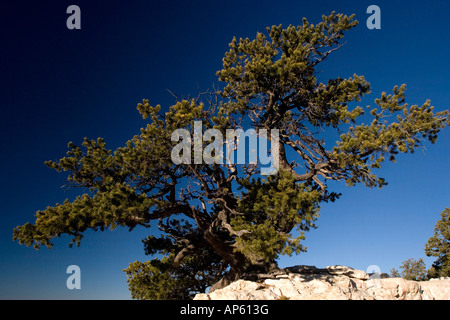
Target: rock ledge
x=330 y=283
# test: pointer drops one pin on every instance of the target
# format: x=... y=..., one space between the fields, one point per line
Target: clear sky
x=60 y=85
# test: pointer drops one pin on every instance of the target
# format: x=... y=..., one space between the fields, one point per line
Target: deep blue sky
x=60 y=85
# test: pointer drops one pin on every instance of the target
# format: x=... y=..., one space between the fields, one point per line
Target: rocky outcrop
x=330 y=283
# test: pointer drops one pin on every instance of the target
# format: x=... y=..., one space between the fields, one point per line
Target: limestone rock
x=394 y=289
x=436 y=289
x=330 y=283
x=347 y=271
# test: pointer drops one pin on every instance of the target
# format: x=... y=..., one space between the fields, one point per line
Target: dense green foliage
x=220 y=221
x=439 y=246
x=411 y=269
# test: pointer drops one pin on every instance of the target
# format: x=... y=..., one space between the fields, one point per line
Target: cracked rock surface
x=330 y=283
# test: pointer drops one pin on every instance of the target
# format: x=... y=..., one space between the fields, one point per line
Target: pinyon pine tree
x=219 y=222
x=439 y=246
x=411 y=269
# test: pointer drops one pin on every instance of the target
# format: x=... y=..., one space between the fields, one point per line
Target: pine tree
x=439 y=246
x=219 y=222
x=395 y=273
x=413 y=269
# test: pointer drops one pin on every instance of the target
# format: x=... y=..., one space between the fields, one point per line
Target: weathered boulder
x=347 y=271
x=436 y=289
x=330 y=283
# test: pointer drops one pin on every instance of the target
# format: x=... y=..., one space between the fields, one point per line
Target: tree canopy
x=220 y=221
x=411 y=269
x=439 y=246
